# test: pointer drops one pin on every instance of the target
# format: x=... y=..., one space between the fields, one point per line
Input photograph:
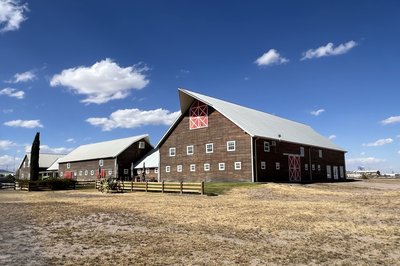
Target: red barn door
x=294 y=168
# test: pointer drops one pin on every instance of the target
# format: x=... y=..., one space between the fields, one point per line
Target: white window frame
x=313 y=167
x=207 y=167
x=179 y=168
x=187 y=150
x=24 y=164
x=156 y=170
x=320 y=153
x=101 y=162
x=86 y=172
x=230 y=142
x=306 y=167
x=68 y=165
x=263 y=165
x=139 y=171
x=221 y=166
x=193 y=168
x=238 y=165
x=278 y=166
x=126 y=171
x=319 y=167
x=91 y=172
x=80 y=173
x=172 y=152
x=210 y=145
x=61 y=174
x=142 y=144
x=75 y=173
x=23 y=175
x=266 y=146
x=167 y=169
x=147 y=171
x=301 y=151
x=110 y=172
x=341 y=171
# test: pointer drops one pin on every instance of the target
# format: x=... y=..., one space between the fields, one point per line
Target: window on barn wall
x=156 y=170
x=189 y=150
x=231 y=145
x=126 y=171
x=238 y=165
x=266 y=146
x=341 y=170
x=306 y=167
x=172 y=152
x=319 y=167
x=142 y=144
x=302 y=151
x=277 y=166
x=167 y=168
x=80 y=173
x=61 y=174
x=179 y=168
x=68 y=165
x=320 y=153
x=209 y=148
x=101 y=162
x=206 y=167
x=313 y=167
x=86 y=172
x=192 y=168
x=75 y=173
x=221 y=166
x=263 y=165
x=91 y=172
x=147 y=171
x=110 y=172
x=198 y=115
x=25 y=164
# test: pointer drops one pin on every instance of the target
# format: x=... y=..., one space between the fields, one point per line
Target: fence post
x=162 y=186
x=202 y=187
x=147 y=185
x=181 y=187
x=132 y=185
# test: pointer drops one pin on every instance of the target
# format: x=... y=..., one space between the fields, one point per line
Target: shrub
x=50 y=183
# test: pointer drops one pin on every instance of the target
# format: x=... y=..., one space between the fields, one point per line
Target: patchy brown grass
x=319 y=224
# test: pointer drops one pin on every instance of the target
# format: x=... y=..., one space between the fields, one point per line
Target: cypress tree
x=34 y=163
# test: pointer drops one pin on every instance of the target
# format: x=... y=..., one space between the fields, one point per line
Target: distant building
x=215 y=140
x=147 y=167
x=4 y=173
x=45 y=161
x=52 y=171
x=112 y=158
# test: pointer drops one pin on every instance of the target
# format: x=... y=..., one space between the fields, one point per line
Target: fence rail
x=7 y=185
x=178 y=187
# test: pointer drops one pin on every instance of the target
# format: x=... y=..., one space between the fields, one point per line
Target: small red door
x=294 y=168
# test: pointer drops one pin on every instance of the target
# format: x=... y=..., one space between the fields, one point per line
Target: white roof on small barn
x=54 y=166
x=46 y=159
x=106 y=149
x=150 y=160
x=257 y=123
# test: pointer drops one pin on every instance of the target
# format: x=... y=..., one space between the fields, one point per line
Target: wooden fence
x=7 y=185
x=177 y=187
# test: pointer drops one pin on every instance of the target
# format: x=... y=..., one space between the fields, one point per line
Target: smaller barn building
x=45 y=161
x=113 y=158
x=147 y=168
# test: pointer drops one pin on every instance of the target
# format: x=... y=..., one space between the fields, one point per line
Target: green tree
x=34 y=163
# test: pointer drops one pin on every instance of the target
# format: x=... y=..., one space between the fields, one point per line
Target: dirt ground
x=352 y=223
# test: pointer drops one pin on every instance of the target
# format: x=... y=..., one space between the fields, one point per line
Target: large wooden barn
x=45 y=161
x=214 y=140
x=113 y=158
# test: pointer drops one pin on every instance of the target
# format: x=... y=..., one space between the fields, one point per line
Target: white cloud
x=7 y=111
x=317 y=112
x=398 y=136
x=7 y=161
x=329 y=50
x=332 y=137
x=398 y=152
x=24 y=123
x=24 y=77
x=72 y=140
x=379 y=142
x=132 y=118
x=48 y=149
x=6 y=144
x=102 y=82
x=271 y=57
x=13 y=93
x=11 y=15
x=391 y=120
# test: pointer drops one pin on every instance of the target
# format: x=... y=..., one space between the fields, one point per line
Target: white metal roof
x=45 y=159
x=151 y=160
x=106 y=149
x=54 y=166
x=257 y=123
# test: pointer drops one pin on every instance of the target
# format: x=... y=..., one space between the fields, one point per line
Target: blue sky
x=88 y=71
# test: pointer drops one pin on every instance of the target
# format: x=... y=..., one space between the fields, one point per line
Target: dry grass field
x=353 y=223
